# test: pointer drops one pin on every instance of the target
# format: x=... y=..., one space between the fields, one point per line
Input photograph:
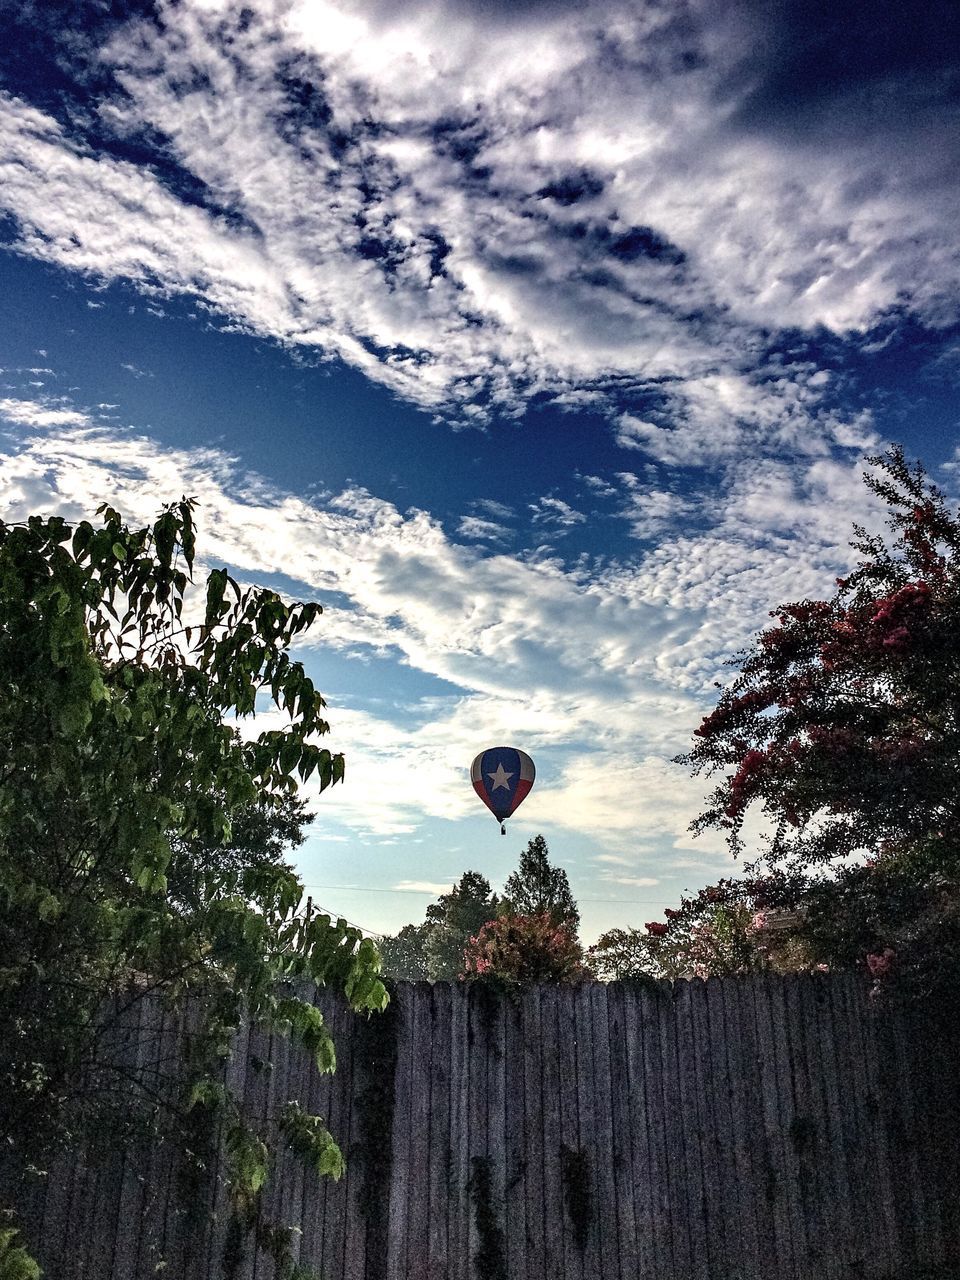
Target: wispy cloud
x=30 y=413
x=582 y=202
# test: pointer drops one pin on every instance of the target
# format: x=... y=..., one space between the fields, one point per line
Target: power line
x=338 y=915
x=429 y=893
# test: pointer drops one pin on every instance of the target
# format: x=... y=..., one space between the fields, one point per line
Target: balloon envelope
x=502 y=778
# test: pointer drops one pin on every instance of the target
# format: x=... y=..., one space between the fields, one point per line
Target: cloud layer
x=475 y=206
x=605 y=668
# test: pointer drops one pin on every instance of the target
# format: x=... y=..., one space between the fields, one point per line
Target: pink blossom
x=880 y=965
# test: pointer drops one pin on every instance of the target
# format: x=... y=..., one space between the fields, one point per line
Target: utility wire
x=429 y=893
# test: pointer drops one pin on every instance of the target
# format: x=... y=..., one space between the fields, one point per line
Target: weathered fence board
x=753 y=1129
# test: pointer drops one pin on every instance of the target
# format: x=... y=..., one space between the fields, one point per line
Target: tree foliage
x=433 y=950
x=452 y=920
x=843 y=726
x=843 y=730
x=404 y=955
x=536 y=888
x=140 y=837
x=520 y=951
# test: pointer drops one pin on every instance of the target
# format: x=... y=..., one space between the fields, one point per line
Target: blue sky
x=541 y=343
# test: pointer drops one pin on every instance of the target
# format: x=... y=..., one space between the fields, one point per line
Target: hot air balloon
x=502 y=777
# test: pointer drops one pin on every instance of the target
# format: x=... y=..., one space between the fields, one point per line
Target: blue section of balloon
x=502 y=776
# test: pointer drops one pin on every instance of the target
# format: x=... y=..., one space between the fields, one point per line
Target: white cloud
x=475 y=527
x=432 y=887
x=431 y=230
x=29 y=413
x=556 y=514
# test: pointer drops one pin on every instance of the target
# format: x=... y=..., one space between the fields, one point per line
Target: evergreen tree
x=455 y=918
x=536 y=887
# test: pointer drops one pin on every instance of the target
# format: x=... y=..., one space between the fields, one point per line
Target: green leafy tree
x=537 y=887
x=520 y=951
x=140 y=839
x=622 y=954
x=453 y=919
x=404 y=955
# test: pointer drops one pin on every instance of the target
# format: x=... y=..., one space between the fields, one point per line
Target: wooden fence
x=744 y=1129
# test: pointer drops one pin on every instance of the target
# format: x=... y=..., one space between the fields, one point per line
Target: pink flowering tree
x=842 y=727
x=731 y=927
x=523 y=950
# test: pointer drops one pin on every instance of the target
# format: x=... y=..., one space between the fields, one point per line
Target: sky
x=542 y=343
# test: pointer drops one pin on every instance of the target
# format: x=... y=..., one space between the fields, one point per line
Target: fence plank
x=653 y=1001
x=779 y=1254
x=554 y=1214
x=703 y=1047
x=738 y=1063
x=624 y=1185
x=399 y=1185
x=533 y=1078
x=418 y=1172
x=606 y=1203
x=693 y=1071
x=566 y=1052
x=587 y=1148
x=440 y=1152
x=515 y=1141
x=458 y=1190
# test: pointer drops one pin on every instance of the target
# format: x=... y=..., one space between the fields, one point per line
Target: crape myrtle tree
x=519 y=951
x=140 y=848
x=843 y=729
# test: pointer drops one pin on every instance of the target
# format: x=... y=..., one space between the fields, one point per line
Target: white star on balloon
x=500 y=779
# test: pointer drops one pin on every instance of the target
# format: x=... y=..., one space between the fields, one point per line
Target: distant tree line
x=527 y=934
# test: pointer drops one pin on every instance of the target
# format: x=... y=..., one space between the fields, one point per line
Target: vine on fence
x=490 y=1258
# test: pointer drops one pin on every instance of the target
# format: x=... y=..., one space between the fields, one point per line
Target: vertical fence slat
x=606 y=1205
x=778 y=1253
x=418 y=1174
x=515 y=1142
x=553 y=1208
x=533 y=1084
x=846 y=1210
x=496 y=1118
x=692 y=1068
x=477 y=1133
x=397 y=1236
x=777 y=992
x=157 y=1162
x=713 y=1258
x=441 y=1149
x=459 y=1214
x=804 y=1131
x=650 y=1070
x=624 y=1186
x=681 y=1208
x=586 y=1147
x=566 y=1052
x=739 y=1066
x=348 y=1192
